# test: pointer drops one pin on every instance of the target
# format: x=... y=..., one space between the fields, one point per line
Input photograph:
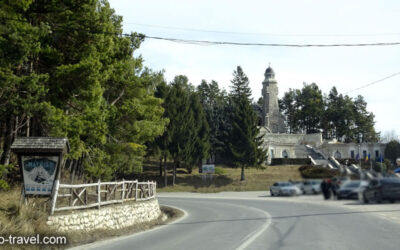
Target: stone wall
x=107 y=217
x=293 y=139
x=344 y=150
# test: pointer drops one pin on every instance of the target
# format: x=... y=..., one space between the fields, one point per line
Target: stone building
x=272 y=119
x=282 y=145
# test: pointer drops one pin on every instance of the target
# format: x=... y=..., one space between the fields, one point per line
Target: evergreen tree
x=311 y=108
x=70 y=72
x=244 y=139
x=214 y=102
x=199 y=131
x=336 y=115
x=287 y=105
x=392 y=150
x=177 y=104
x=364 y=121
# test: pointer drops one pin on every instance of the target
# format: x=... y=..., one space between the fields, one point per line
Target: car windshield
x=286 y=184
x=351 y=184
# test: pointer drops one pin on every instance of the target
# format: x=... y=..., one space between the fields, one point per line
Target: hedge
x=290 y=161
x=316 y=172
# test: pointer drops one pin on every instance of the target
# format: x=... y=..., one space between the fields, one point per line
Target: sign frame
x=28 y=193
x=42 y=174
x=210 y=169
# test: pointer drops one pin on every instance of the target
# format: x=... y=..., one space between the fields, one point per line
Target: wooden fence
x=81 y=196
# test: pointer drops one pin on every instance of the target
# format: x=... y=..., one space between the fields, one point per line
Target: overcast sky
x=286 y=22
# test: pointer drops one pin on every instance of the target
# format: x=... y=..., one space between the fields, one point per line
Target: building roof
x=40 y=144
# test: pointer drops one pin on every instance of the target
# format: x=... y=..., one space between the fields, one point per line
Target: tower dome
x=269 y=73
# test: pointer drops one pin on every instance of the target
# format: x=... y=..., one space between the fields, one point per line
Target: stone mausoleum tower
x=272 y=119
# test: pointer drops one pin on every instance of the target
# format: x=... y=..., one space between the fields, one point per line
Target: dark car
x=350 y=189
x=338 y=180
x=382 y=189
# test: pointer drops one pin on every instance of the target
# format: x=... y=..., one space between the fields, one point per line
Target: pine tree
x=199 y=133
x=214 y=103
x=66 y=70
x=244 y=138
x=177 y=109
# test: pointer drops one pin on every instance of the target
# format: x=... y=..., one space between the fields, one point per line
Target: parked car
x=284 y=188
x=312 y=187
x=382 y=189
x=338 y=180
x=298 y=184
x=351 y=189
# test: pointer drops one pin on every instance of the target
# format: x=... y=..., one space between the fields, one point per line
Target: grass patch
x=225 y=179
x=23 y=219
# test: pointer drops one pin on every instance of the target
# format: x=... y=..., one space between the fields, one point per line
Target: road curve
x=220 y=223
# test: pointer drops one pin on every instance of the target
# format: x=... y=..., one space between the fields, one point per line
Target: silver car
x=312 y=187
x=284 y=188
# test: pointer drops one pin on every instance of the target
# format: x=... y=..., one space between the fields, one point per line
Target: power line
x=374 y=82
x=262 y=34
x=208 y=42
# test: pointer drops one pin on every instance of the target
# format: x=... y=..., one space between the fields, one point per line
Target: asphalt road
x=220 y=223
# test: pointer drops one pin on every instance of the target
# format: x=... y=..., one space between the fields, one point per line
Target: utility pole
x=359 y=157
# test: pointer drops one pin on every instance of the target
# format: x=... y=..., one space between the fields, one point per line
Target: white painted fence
x=81 y=196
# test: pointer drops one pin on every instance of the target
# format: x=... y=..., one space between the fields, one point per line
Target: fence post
x=136 y=190
x=98 y=194
x=54 y=198
x=123 y=190
x=148 y=188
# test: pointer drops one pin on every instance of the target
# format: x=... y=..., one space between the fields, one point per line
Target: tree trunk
x=242 y=174
x=165 y=171
x=174 y=173
x=73 y=170
x=28 y=126
x=161 y=167
x=8 y=139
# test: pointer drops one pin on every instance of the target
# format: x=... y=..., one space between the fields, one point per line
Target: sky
x=281 y=22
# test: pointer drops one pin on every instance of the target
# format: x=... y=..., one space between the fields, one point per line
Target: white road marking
x=254 y=235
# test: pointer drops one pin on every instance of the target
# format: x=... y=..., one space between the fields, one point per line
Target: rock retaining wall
x=107 y=217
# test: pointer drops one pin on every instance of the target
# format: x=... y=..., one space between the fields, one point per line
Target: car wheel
x=280 y=193
x=272 y=193
x=391 y=201
x=314 y=192
x=339 y=198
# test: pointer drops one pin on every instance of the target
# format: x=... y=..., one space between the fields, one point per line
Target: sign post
x=40 y=160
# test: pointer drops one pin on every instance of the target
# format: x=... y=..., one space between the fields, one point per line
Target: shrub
x=316 y=172
x=290 y=161
x=219 y=170
x=4 y=170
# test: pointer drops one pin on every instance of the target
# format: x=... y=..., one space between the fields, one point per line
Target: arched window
x=285 y=154
x=337 y=155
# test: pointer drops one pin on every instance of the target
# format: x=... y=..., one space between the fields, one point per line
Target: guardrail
x=335 y=162
x=312 y=160
x=81 y=196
